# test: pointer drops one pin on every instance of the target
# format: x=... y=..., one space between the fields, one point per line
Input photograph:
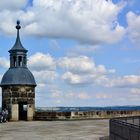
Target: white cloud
x=77 y=70
x=40 y=61
x=133 y=21
x=127 y=81
x=4 y=62
x=82 y=70
x=134 y=96
x=43 y=67
x=88 y=21
x=83 y=49
x=55 y=93
x=45 y=76
x=135 y=90
x=41 y=85
x=14 y=5
x=77 y=95
x=7 y=25
x=102 y=96
x=95 y=25
x=112 y=71
x=76 y=79
x=79 y=64
x=83 y=96
x=101 y=69
x=0 y=77
x=71 y=78
x=102 y=81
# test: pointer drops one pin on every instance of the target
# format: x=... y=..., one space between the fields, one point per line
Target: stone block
x=14 y=112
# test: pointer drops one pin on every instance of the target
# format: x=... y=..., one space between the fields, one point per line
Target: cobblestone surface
x=54 y=130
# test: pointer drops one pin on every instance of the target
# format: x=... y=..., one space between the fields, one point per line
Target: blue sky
x=81 y=52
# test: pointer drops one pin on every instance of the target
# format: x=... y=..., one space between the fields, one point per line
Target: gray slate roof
x=18 y=76
x=18 y=46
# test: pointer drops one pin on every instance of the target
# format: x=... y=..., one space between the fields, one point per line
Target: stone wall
x=103 y=114
x=13 y=95
x=83 y=115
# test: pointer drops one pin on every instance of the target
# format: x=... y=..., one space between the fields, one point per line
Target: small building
x=18 y=84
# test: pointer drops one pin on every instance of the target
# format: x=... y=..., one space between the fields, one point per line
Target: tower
x=18 y=84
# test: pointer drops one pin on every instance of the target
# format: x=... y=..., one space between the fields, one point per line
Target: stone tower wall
x=13 y=95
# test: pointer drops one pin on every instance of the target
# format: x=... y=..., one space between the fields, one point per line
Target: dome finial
x=18 y=25
x=18 y=45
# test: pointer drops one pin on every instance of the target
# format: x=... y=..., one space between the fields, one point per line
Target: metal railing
x=127 y=128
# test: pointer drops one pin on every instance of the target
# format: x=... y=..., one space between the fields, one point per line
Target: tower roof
x=18 y=45
x=18 y=73
x=18 y=76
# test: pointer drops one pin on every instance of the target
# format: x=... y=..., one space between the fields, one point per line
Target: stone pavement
x=54 y=130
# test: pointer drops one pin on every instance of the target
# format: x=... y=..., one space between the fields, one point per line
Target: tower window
x=14 y=61
x=24 y=61
x=19 y=61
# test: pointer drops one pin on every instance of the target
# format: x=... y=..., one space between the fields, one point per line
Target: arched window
x=19 y=61
x=14 y=59
x=24 y=61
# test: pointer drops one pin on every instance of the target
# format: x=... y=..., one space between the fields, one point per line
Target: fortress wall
x=84 y=114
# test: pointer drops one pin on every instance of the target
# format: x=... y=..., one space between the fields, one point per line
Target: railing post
x=110 y=127
x=133 y=120
x=139 y=121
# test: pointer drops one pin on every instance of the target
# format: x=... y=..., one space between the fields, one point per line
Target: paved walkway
x=54 y=130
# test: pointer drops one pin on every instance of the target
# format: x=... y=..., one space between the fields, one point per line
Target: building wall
x=13 y=95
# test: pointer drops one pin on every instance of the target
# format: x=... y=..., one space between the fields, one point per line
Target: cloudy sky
x=81 y=52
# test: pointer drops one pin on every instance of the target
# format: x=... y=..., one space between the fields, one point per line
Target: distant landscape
x=69 y=109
